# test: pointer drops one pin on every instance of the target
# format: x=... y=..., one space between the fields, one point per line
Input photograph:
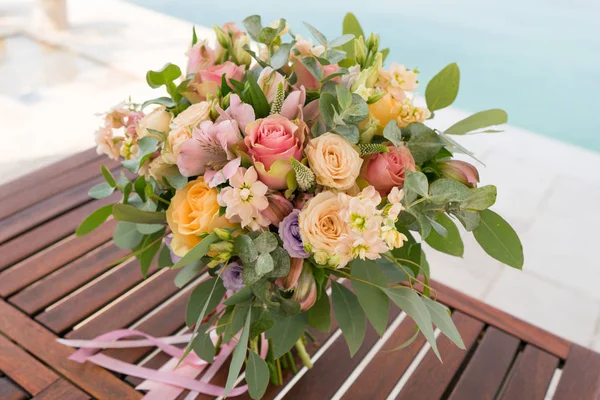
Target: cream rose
x=321 y=227
x=174 y=141
x=192 y=116
x=158 y=120
x=159 y=169
x=335 y=162
x=193 y=210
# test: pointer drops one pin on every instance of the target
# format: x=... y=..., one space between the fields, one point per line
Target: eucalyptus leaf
x=344 y=96
x=328 y=106
x=242 y=296
x=164 y=76
x=281 y=56
x=197 y=252
x=148 y=229
x=442 y=90
x=239 y=354
x=257 y=376
x=412 y=304
x=177 y=180
x=440 y=316
x=281 y=263
x=479 y=120
x=245 y=249
x=188 y=273
x=443 y=191
x=163 y=101
x=108 y=177
x=262 y=321
x=94 y=220
x=349 y=315
x=264 y=264
x=266 y=242
x=480 y=199
x=451 y=244
x=203 y=346
x=393 y=133
x=146 y=147
x=340 y=40
x=253 y=26
x=101 y=191
x=499 y=239
x=286 y=333
x=469 y=219
x=203 y=300
x=124 y=212
x=317 y=35
x=424 y=143
x=313 y=67
x=373 y=300
x=126 y=235
x=349 y=132
x=416 y=182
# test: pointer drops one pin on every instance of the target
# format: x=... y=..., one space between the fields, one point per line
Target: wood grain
x=10 y=391
x=22 y=368
x=63 y=390
x=488 y=368
x=37 y=340
x=531 y=375
x=580 y=376
x=421 y=384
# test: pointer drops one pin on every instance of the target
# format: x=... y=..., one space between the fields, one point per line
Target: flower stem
x=303 y=354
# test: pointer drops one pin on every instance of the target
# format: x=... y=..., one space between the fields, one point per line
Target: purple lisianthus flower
x=168 y=240
x=232 y=276
x=289 y=232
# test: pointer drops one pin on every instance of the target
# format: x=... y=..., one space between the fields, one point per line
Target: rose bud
x=291 y=280
x=279 y=207
x=460 y=171
x=306 y=290
x=385 y=171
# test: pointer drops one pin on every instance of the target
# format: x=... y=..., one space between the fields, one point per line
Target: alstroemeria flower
x=242 y=113
x=269 y=81
x=209 y=151
x=293 y=104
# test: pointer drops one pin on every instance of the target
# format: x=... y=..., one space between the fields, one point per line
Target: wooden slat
x=46 y=261
x=63 y=390
x=85 y=302
x=580 y=377
x=58 y=183
x=131 y=308
x=67 y=279
x=336 y=364
x=22 y=368
x=488 y=368
x=421 y=385
x=10 y=391
x=37 y=340
x=36 y=239
x=501 y=320
x=48 y=172
x=531 y=375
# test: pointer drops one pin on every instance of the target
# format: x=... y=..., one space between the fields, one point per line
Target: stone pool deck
x=53 y=84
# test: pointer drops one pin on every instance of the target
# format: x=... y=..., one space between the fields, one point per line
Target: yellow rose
x=158 y=120
x=404 y=112
x=193 y=210
x=321 y=227
x=334 y=160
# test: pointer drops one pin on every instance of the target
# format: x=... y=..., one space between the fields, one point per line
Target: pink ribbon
x=169 y=381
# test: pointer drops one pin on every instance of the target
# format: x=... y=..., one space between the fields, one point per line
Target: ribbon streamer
x=169 y=381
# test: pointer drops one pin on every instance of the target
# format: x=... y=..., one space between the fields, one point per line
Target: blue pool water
x=537 y=59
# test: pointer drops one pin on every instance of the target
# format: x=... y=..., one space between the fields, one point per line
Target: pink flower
x=245 y=200
x=306 y=79
x=279 y=208
x=209 y=151
x=293 y=104
x=271 y=142
x=386 y=170
x=200 y=58
x=269 y=81
x=290 y=281
x=242 y=113
x=215 y=72
x=460 y=171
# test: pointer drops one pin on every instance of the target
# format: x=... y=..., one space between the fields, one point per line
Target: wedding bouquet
x=281 y=168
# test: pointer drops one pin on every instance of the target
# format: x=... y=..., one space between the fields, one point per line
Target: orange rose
x=193 y=210
x=404 y=112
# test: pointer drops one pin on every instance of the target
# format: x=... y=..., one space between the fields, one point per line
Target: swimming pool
x=539 y=60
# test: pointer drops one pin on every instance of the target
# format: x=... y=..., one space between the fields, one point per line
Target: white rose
x=174 y=141
x=159 y=120
x=192 y=116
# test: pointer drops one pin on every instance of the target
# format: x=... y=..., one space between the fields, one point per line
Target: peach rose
x=321 y=227
x=193 y=210
x=271 y=142
x=192 y=116
x=334 y=160
x=386 y=170
x=404 y=112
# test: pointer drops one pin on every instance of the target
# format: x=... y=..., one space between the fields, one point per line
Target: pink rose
x=271 y=142
x=306 y=79
x=200 y=57
x=214 y=73
x=386 y=170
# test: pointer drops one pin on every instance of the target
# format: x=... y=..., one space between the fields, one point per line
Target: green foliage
x=266 y=242
x=371 y=148
x=316 y=34
x=393 y=133
x=188 y=273
x=204 y=299
x=197 y=252
x=94 y=220
x=257 y=375
x=253 y=26
x=256 y=98
x=286 y=333
x=245 y=249
x=440 y=316
x=166 y=75
x=349 y=315
x=313 y=67
x=450 y=244
x=282 y=55
x=108 y=177
x=351 y=26
x=371 y=298
x=125 y=212
x=264 y=264
x=149 y=247
x=239 y=354
x=319 y=316
x=176 y=181
x=479 y=120
x=126 y=235
x=424 y=143
x=281 y=260
x=101 y=191
x=163 y=101
x=442 y=89
x=480 y=199
x=147 y=146
x=416 y=182
x=469 y=219
x=164 y=257
x=443 y=191
x=499 y=239
x=203 y=345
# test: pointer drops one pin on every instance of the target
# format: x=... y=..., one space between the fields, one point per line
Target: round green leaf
x=499 y=239
x=126 y=235
x=442 y=89
x=266 y=242
x=101 y=190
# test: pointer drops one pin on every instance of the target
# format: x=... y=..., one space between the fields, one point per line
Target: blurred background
x=63 y=62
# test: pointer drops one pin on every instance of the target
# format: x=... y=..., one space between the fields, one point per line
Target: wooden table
x=53 y=285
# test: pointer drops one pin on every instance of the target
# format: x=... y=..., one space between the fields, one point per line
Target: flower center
x=358 y=222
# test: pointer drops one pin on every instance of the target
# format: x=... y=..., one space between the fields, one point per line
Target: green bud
x=221 y=247
x=334 y=261
x=375 y=97
x=360 y=51
x=223 y=234
x=373 y=75
x=239 y=53
x=222 y=37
